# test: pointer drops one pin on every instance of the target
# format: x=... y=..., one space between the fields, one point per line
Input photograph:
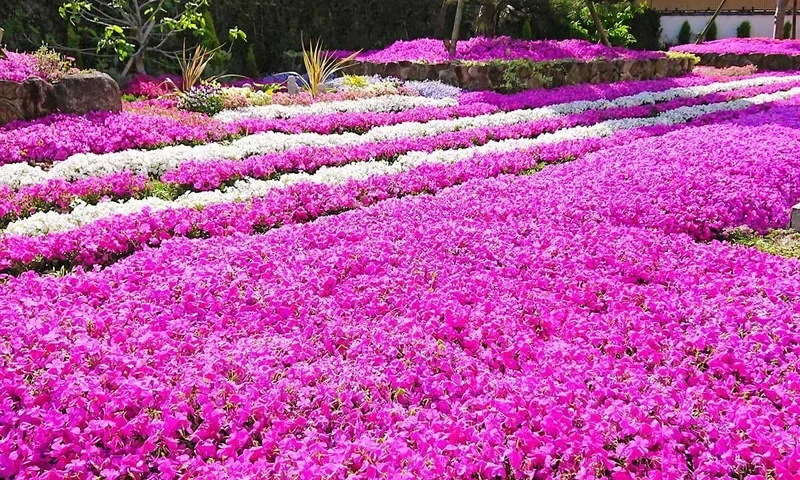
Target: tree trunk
x=598 y=24
x=486 y=23
x=2 y=52
x=441 y=23
x=780 y=19
x=139 y=61
x=456 y=27
x=794 y=20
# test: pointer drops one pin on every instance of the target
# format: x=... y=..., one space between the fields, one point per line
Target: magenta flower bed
x=147 y=86
x=59 y=136
x=744 y=46
x=481 y=49
x=19 y=66
x=106 y=240
x=537 y=327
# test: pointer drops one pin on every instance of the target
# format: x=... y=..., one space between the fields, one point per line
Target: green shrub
x=685 y=35
x=646 y=29
x=212 y=43
x=743 y=30
x=527 y=31
x=787 y=29
x=711 y=34
x=251 y=64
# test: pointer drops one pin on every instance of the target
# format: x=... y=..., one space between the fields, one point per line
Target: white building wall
x=760 y=25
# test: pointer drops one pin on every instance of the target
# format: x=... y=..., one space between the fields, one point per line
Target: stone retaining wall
x=760 y=60
x=515 y=76
x=75 y=93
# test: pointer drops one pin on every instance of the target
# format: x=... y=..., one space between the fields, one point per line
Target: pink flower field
x=406 y=283
x=744 y=46
x=481 y=49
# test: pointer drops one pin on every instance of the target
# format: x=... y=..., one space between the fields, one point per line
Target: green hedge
x=275 y=26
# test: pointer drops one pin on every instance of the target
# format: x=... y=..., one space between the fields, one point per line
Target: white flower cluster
x=387 y=103
x=156 y=162
x=246 y=189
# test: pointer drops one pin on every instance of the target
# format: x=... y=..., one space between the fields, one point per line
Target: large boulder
x=30 y=99
x=37 y=97
x=9 y=110
x=88 y=91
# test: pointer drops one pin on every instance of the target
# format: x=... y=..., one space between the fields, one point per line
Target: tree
x=685 y=34
x=615 y=19
x=134 y=29
x=743 y=30
x=598 y=24
x=451 y=46
x=780 y=18
x=489 y=16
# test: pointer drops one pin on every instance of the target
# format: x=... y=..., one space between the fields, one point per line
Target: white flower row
x=156 y=162
x=246 y=189
x=387 y=103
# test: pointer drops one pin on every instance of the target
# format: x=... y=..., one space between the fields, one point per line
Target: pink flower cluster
x=562 y=325
x=56 y=137
x=482 y=49
x=146 y=86
x=18 y=66
x=744 y=46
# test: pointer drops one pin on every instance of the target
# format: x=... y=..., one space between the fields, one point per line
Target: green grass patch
x=785 y=243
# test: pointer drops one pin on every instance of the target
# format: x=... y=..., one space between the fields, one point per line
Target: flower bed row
x=59 y=196
x=106 y=240
x=764 y=53
x=561 y=325
x=56 y=138
x=414 y=122
x=482 y=49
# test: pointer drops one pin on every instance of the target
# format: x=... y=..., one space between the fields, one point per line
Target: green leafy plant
x=134 y=29
x=787 y=30
x=527 y=30
x=520 y=74
x=321 y=66
x=743 y=30
x=193 y=66
x=616 y=16
x=685 y=34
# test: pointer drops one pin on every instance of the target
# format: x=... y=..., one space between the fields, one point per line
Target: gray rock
x=38 y=97
x=449 y=77
x=30 y=99
x=795 y=219
x=291 y=86
x=88 y=91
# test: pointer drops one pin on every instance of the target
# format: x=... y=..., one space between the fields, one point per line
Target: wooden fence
x=711 y=5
